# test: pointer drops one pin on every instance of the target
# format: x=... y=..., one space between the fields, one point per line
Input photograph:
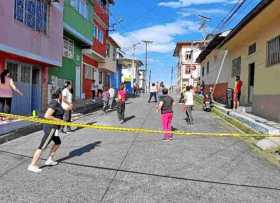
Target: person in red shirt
x=237 y=92
x=121 y=98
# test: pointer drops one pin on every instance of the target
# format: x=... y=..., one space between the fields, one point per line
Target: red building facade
x=92 y=58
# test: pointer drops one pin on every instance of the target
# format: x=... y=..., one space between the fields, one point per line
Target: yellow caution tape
x=130 y=130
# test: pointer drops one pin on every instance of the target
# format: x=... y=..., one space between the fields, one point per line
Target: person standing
x=121 y=98
x=237 y=92
x=67 y=104
x=94 y=88
x=54 y=112
x=202 y=88
x=188 y=96
x=153 y=93
x=105 y=99
x=100 y=89
x=112 y=97
x=7 y=87
x=165 y=106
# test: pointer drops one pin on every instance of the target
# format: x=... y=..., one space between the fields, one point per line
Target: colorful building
x=254 y=51
x=78 y=26
x=130 y=72
x=95 y=57
x=188 y=71
x=30 y=45
x=110 y=64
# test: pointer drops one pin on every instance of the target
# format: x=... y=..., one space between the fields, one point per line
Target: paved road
x=121 y=167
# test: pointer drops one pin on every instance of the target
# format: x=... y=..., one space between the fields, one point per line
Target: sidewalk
x=10 y=130
x=258 y=124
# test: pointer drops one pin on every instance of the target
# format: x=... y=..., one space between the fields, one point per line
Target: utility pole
x=147 y=42
x=134 y=59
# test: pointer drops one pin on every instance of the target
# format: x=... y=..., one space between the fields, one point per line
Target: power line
x=227 y=18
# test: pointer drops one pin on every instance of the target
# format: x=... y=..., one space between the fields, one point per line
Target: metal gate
x=29 y=85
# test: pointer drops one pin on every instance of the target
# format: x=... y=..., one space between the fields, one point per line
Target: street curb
x=235 y=122
x=20 y=132
x=252 y=142
x=35 y=127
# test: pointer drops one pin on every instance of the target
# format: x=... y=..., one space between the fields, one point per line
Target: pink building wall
x=19 y=39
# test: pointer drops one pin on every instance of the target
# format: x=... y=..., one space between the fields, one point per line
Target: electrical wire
x=227 y=18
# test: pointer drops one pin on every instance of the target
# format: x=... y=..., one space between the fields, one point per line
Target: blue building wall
x=116 y=77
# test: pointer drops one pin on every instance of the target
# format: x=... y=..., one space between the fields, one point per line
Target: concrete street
x=100 y=166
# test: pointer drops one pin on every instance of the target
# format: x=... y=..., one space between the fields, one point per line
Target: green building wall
x=74 y=19
x=83 y=27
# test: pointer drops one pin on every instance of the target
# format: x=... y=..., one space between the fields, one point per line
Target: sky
x=166 y=22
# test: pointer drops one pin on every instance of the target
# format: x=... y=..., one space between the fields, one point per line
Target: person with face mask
x=67 y=104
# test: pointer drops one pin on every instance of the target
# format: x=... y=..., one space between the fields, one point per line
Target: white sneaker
x=34 y=169
x=51 y=162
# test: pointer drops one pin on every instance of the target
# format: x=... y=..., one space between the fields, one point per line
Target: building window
x=33 y=13
x=25 y=73
x=187 y=70
x=81 y=7
x=68 y=48
x=252 y=49
x=203 y=71
x=95 y=30
x=108 y=50
x=100 y=36
x=208 y=68
x=13 y=69
x=236 y=67
x=103 y=4
x=188 y=56
x=273 y=51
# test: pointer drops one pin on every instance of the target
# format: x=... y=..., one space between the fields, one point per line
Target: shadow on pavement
x=81 y=151
x=129 y=118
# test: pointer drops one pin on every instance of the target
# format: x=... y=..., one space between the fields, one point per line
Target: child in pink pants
x=166 y=107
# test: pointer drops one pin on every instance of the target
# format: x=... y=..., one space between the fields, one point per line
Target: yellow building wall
x=260 y=30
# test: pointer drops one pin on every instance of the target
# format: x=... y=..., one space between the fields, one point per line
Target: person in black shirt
x=54 y=112
x=166 y=108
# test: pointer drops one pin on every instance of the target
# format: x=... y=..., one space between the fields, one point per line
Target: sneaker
x=51 y=162
x=34 y=169
x=121 y=121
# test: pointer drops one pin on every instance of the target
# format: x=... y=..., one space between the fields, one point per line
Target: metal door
x=21 y=74
x=36 y=101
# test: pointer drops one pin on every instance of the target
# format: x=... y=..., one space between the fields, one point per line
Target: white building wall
x=215 y=60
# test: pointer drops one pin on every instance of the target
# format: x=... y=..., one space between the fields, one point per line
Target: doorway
x=36 y=90
x=251 y=82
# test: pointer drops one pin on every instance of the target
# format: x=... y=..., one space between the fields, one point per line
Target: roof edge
x=248 y=18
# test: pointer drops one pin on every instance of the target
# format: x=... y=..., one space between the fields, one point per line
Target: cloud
x=186 y=3
x=163 y=36
x=207 y=12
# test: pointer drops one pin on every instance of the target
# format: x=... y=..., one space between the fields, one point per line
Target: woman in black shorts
x=54 y=112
